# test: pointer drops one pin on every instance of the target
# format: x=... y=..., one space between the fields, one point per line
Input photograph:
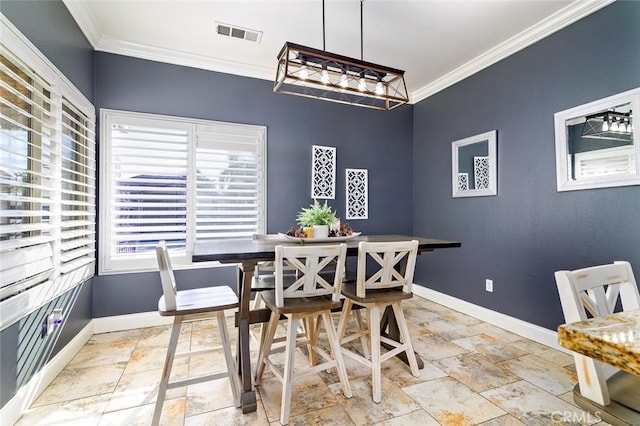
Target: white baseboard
x=514 y=325
x=28 y=393
x=129 y=322
x=132 y=321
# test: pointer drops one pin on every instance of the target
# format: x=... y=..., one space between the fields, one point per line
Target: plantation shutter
x=229 y=181
x=605 y=162
x=148 y=185
x=78 y=179
x=26 y=231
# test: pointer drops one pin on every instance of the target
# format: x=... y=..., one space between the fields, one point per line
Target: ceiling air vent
x=238 y=32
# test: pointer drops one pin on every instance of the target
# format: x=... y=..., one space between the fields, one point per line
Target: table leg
x=247 y=393
x=389 y=321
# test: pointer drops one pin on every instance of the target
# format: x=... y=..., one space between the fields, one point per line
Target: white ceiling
x=437 y=43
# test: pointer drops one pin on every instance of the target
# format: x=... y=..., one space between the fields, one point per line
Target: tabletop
x=613 y=339
x=264 y=249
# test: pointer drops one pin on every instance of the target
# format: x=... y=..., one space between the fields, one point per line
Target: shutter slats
x=70 y=255
x=58 y=169
x=75 y=243
x=25 y=227
x=68 y=235
x=605 y=162
x=147 y=228
x=148 y=187
x=150 y=197
x=76 y=264
x=235 y=227
x=24 y=213
x=17 y=243
x=77 y=197
x=25 y=270
x=76 y=223
x=227 y=203
x=154 y=237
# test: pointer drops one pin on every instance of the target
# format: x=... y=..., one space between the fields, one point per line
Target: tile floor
x=475 y=373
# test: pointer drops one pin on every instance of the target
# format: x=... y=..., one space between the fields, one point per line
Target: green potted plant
x=317 y=216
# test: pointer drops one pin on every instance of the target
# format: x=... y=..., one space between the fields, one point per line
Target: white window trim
x=20 y=305
x=104 y=223
x=563 y=161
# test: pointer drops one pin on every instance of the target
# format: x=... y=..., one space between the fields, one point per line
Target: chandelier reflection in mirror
x=608 y=125
x=314 y=73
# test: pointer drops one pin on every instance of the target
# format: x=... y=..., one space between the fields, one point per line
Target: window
x=178 y=180
x=597 y=144
x=47 y=181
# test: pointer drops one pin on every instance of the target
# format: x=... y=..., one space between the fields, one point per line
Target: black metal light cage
x=608 y=125
x=314 y=73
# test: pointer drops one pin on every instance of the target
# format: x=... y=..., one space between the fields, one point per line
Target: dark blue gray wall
x=49 y=26
x=374 y=140
x=528 y=231
x=22 y=351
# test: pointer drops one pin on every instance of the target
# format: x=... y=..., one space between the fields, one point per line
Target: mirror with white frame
x=474 y=166
x=597 y=143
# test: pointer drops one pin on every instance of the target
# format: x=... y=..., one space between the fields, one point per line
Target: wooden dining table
x=247 y=253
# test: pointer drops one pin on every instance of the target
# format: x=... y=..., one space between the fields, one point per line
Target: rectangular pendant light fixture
x=314 y=73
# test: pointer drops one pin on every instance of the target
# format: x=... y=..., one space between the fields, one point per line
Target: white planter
x=320 y=231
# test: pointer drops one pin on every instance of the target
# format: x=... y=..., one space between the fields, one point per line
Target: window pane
x=227 y=194
x=177 y=180
x=149 y=192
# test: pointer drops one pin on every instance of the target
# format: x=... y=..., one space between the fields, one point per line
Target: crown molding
x=177 y=57
x=81 y=13
x=559 y=20
x=575 y=11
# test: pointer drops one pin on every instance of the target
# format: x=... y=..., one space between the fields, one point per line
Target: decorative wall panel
x=481 y=172
x=323 y=172
x=463 y=181
x=357 y=194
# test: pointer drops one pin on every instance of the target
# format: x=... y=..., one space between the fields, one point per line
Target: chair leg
x=406 y=338
x=374 y=334
x=269 y=332
x=316 y=332
x=310 y=331
x=258 y=303
x=337 y=353
x=363 y=340
x=289 y=366
x=228 y=357
x=166 y=371
x=344 y=319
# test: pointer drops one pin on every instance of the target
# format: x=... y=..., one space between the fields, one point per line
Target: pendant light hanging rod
x=361 y=33
x=324 y=40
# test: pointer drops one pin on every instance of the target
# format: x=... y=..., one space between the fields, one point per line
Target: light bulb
x=343 y=80
x=614 y=126
x=324 y=77
x=605 y=126
x=303 y=72
x=379 y=88
x=362 y=85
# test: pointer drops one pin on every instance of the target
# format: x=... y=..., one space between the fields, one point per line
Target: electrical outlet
x=50 y=322
x=488 y=285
